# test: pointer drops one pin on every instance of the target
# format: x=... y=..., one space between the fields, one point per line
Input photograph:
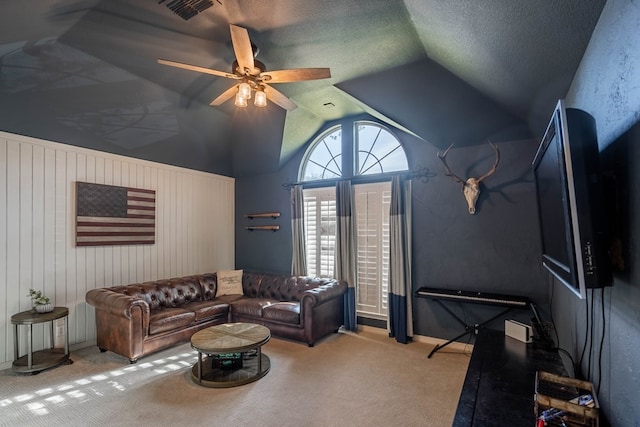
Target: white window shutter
x=372 y=225
x=320 y=230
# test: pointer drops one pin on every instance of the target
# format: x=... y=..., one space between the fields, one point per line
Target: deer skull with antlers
x=470 y=187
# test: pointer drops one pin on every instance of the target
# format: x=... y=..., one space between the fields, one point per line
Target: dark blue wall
x=602 y=332
x=266 y=251
x=496 y=250
x=607 y=85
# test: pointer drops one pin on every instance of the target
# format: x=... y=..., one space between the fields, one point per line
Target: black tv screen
x=552 y=205
x=569 y=195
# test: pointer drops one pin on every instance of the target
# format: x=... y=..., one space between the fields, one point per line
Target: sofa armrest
x=324 y=293
x=122 y=322
x=118 y=304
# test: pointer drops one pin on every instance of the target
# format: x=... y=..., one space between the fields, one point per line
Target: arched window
x=375 y=153
x=324 y=159
x=375 y=150
x=378 y=151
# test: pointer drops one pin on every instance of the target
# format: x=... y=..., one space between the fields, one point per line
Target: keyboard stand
x=468 y=329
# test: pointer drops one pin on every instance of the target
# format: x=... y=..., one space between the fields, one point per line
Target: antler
x=495 y=164
x=442 y=157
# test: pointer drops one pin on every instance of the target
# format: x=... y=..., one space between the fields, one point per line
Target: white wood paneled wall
x=194 y=231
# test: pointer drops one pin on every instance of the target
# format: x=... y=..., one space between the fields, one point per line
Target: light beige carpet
x=364 y=379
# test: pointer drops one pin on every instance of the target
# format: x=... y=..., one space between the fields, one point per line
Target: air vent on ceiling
x=187 y=9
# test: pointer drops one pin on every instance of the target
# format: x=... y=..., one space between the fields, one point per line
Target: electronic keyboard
x=473 y=296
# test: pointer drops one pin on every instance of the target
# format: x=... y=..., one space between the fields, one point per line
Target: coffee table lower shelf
x=212 y=376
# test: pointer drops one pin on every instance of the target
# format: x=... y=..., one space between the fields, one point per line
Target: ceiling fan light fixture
x=244 y=90
x=250 y=74
x=240 y=101
x=261 y=98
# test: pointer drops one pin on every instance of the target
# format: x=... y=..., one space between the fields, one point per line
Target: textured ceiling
x=85 y=72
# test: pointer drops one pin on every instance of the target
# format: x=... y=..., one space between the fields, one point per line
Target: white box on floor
x=517 y=330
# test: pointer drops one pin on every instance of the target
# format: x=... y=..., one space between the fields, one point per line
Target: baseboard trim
x=457 y=346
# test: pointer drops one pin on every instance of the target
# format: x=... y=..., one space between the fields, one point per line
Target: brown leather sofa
x=138 y=319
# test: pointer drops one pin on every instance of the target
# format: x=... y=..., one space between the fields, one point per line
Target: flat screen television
x=570 y=202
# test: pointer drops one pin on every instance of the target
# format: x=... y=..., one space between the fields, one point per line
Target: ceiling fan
x=252 y=75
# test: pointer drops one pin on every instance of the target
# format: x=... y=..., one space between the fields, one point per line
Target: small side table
x=34 y=362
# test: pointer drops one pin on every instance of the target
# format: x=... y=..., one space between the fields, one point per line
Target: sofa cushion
x=228 y=299
x=169 y=318
x=287 y=312
x=208 y=310
x=229 y=282
x=250 y=306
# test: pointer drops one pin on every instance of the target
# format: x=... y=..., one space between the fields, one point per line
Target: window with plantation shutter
x=375 y=153
x=372 y=225
x=320 y=230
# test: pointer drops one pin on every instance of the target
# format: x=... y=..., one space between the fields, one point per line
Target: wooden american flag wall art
x=110 y=215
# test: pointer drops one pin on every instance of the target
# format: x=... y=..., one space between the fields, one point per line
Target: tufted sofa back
x=165 y=293
x=175 y=292
x=209 y=283
x=251 y=284
x=287 y=288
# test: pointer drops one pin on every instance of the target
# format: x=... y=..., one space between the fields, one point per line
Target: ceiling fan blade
x=198 y=69
x=226 y=95
x=295 y=75
x=279 y=98
x=242 y=48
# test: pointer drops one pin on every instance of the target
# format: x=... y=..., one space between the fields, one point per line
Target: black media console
x=500 y=383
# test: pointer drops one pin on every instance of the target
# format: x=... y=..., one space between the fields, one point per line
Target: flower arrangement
x=37 y=297
x=41 y=302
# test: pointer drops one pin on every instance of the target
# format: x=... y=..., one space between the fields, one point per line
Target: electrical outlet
x=59 y=330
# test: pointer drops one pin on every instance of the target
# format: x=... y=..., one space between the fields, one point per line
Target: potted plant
x=41 y=303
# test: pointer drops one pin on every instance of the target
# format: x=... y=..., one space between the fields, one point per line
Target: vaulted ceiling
x=84 y=72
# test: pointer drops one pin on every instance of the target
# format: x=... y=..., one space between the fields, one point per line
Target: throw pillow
x=229 y=282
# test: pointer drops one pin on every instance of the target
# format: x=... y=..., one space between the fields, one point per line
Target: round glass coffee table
x=230 y=354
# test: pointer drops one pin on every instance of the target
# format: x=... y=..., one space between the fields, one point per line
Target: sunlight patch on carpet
x=42 y=402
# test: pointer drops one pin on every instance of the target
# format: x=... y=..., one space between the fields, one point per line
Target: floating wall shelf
x=264 y=227
x=273 y=215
